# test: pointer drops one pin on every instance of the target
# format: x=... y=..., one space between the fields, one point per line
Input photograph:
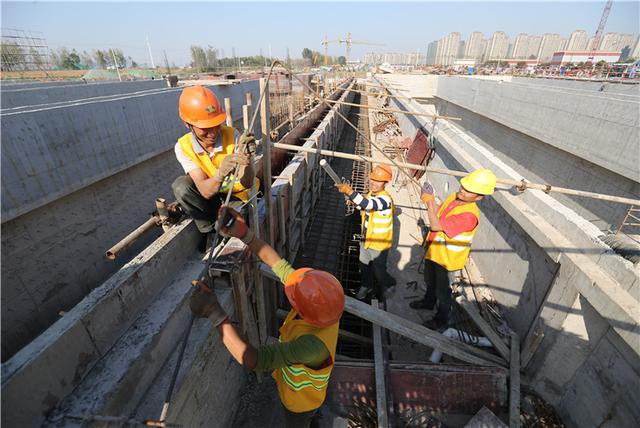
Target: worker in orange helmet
x=453 y=225
x=208 y=156
x=302 y=361
x=377 y=231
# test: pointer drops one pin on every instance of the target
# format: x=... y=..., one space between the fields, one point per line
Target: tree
x=71 y=61
x=11 y=55
x=121 y=61
x=36 y=59
x=307 y=54
x=342 y=60
x=198 y=58
x=212 y=58
x=101 y=58
x=87 y=60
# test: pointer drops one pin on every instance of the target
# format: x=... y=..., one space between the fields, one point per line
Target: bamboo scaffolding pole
x=520 y=185
x=382 y=87
x=372 y=94
x=387 y=110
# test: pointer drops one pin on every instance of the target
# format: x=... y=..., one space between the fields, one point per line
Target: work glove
x=228 y=165
x=426 y=192
x=204 y=304
x=231 y=223
x=345 y=188
x=247 y=143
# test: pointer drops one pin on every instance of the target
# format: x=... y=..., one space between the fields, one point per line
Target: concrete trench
x=113 y=352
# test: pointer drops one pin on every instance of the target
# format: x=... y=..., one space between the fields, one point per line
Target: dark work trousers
x=373 y=266
x=203 y=211
x=298 y=420
x=438 y=285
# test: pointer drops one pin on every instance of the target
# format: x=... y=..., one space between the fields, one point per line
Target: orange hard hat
x=316 y=295
x=381 y=173
x=198 y=106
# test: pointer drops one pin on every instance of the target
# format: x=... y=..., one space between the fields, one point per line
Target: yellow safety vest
x=379 y=225
x=211 y=164
x=452 y=253
x=301 y=388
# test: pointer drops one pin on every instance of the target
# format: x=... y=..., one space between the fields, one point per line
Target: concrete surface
x=599 y=127
x=50 y=367
x=78 y=176
x=591 y=303
x=53 y=150
x=21 y=95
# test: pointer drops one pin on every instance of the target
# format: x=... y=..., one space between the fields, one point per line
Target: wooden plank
x=514 y=383
x=420 y=334
x=413 y=331
x=471 y=310
x=378 y=358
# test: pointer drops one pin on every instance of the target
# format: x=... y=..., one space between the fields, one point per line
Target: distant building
x=575 y=57
x=551 y=42
x=497 y=47
x=474 y=46
x=577 y=41
x=520 y=46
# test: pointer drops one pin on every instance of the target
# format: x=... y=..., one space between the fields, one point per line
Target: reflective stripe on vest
x=452 y=253
x=378 y=225
x=210 y=165
x=301 y=388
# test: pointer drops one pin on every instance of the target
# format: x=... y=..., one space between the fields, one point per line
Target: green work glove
x=227 y=166
x=247 y=143
x=204 y=304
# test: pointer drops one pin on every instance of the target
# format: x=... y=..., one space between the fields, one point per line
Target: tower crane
x=325 y=42
x=598 y=37
x=348 y=42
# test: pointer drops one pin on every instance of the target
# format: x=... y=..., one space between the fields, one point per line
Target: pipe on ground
x=463 y=336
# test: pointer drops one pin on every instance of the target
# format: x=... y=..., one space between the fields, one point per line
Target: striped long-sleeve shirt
x=380 y=203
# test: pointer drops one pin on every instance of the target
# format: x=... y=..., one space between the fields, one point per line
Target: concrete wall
x=539 y=162
x=538 y=256
x=75 y=180
x=21 y=95
x=601 y=128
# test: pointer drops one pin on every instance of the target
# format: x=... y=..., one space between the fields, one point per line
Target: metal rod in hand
x=167 y=400
x=325 y=165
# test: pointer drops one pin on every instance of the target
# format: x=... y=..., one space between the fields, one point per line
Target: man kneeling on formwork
x=453 y=225
x=209 y=154
x=377 y=231
x=302 y=361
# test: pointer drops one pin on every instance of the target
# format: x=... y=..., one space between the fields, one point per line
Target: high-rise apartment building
x=615 y=42
x=498 y=46
x=432 y=52
x=474 y=47
x=445 y=50
x=551 y=43
x=449 y=50
x=533 y=47
x=520 y=46
x=577 y=41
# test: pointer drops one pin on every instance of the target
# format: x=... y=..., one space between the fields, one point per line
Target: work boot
x=363 y=292
x=436 y=324
x=421 y=304
x=389 y=292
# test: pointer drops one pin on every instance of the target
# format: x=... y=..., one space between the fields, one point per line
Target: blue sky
x=249 y=26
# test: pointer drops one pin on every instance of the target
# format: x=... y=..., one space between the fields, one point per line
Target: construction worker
x=453 y=225
x=302 y=361
x=209 y=157
x=377 y=231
